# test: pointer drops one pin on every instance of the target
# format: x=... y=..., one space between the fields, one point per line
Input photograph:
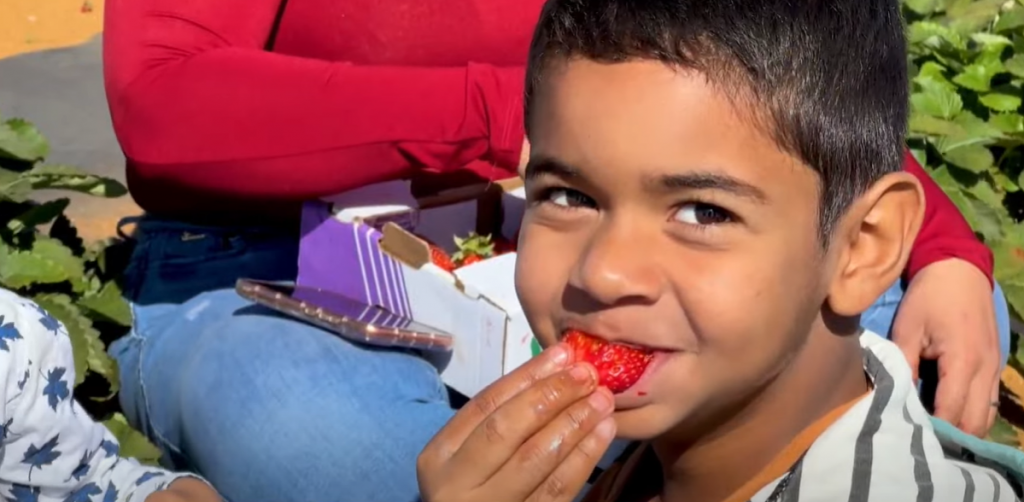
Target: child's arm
x=52 y=449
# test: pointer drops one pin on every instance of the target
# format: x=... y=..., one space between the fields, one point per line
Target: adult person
x=231 y=113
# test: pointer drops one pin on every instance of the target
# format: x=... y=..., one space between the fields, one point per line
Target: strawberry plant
x=42 y=258
x=967 y=71
x=473 y=248
x=967 y=67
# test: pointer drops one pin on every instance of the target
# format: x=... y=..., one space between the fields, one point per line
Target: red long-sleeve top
x=236 y=110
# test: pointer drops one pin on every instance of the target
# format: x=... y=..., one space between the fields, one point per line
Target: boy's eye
x=696 y=213
x=567 y=198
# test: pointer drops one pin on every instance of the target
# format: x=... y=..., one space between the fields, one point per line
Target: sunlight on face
x=659 y=215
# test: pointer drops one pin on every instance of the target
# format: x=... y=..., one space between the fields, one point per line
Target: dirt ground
x=32 y=25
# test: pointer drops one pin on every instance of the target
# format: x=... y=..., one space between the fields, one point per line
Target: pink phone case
x=352 y=320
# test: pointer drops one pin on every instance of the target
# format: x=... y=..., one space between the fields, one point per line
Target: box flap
x=494 y=279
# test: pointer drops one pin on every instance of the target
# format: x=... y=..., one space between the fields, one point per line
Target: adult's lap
x=272 y=409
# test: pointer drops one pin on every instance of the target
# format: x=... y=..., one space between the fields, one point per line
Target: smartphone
x=350 y=319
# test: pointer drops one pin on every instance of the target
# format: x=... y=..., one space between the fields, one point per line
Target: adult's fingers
x=956 y=377
x=444 y=445
x=499 y=436
x=908 y=335
x=993 y=408
x=569 y=478
x=982 y=397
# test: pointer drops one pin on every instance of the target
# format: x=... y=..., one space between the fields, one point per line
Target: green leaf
x=1015 y=65
x=976 y=131
x=991 y=41
x=133 y=443
x=21 y=269
x=937 y=101
x=1003 y=181
x=1010 y=19
x=977 y=77
x=1000 y=102
x=41 y=214
x=974 y=158
x=1008 y=255
x=921 y=6
x=972 y=15
x=89 y=352
x=107 y=304
x=934 y=35
x=72 y=178
x=13 y=187
x=72 y=267
x=920 y=156
x=927 y=124
x=21 y=140
x=983 y=218
x=1008 y=123
x=932 y=73
x=1003 y=433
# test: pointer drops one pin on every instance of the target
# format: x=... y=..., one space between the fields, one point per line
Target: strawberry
x=618 y=366
x=441 y=259
x=472 y=249
x=503 y=245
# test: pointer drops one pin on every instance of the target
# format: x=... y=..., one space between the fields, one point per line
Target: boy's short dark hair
x=828 y=77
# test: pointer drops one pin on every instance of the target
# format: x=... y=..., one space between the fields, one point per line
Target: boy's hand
x=948 y=314
x=535 y=435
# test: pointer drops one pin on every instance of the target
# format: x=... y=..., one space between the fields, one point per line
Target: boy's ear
x=873 y=242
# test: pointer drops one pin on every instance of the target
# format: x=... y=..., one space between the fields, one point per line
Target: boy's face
x=661 y=215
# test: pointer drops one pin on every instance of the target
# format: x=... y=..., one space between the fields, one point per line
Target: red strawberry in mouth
x=619 y=366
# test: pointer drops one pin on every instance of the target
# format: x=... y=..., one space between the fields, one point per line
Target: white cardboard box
x=363 y=244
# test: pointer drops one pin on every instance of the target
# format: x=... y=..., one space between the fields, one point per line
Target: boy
x=51 y=449
x=714 y=196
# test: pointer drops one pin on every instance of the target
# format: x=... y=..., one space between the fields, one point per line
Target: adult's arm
x=198 y=103
x=944 y=233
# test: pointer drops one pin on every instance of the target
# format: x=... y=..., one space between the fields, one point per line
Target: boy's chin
x=645 y=423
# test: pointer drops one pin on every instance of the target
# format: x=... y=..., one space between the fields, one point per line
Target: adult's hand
x=947 y=314
x=534 y=435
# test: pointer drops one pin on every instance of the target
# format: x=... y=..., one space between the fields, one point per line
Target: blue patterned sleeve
x=52 y=450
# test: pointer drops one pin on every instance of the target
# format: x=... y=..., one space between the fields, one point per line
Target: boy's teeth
x=618 y=366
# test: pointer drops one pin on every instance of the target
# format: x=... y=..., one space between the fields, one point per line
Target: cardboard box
x=363 y=244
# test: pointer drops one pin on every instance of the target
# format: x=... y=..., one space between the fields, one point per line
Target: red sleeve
x=196 y=101
x=944 y=232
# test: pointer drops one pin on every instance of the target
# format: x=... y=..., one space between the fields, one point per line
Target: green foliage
x=967 y=69
x=42 y=258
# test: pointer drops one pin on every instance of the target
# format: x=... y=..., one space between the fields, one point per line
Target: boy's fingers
x=569 y=478
x=454 y=434
x=502 y=433
x=535 y=461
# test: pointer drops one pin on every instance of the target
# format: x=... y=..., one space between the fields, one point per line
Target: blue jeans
x=266 y=408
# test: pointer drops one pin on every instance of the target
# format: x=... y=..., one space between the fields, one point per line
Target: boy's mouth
x=619 y=366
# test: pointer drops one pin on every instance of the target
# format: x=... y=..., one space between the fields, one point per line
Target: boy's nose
x=614 y=269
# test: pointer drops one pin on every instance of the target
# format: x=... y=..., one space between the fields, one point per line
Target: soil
x=33 y=25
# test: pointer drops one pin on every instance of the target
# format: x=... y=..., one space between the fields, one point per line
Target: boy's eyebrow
x=547 y=165
x=700 y=180
x=703 y=180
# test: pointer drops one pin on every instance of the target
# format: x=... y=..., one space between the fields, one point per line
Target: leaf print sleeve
x=53 y=451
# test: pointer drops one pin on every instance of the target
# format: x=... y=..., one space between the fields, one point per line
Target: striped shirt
x=880 y=448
